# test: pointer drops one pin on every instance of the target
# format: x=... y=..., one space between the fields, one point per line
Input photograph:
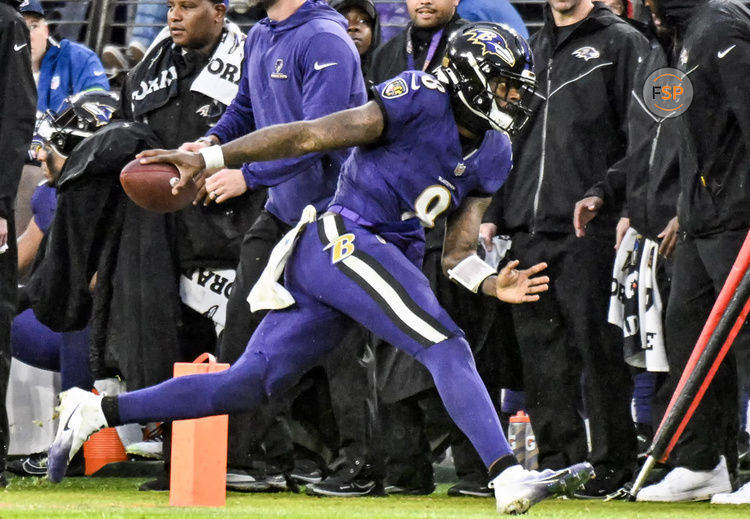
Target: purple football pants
x=339 y=272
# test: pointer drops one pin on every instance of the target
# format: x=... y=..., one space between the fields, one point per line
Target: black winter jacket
x=647 y=178
x=205 y=235
x=17 y=103
x=715 y=152
x=98 y=229
x=578 y=128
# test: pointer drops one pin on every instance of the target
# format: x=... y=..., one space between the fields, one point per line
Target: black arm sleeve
x=17 y=104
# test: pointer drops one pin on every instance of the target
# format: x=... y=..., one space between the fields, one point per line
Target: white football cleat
x=682 y=484
x=738 y=497
x=80 y=416
x=517 y=489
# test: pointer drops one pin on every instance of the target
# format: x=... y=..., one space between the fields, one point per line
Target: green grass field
x=119 y=497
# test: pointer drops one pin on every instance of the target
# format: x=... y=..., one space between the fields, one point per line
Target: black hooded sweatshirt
x=367 y=6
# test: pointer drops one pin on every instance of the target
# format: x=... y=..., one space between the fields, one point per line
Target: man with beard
x=421 y=44
x=406 y=392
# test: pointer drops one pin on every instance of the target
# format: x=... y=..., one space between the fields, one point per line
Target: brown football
x=149 y=186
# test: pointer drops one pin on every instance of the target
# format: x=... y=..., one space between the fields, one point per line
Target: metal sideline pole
x=721 y=328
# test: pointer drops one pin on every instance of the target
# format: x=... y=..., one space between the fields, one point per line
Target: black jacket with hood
x=715 y=149
x=134 y=311
x=578 y=127
x=367 y=6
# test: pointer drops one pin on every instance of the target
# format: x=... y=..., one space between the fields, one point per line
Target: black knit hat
x=367 y=6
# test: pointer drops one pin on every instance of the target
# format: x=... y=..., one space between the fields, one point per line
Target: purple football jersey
x=418 y=169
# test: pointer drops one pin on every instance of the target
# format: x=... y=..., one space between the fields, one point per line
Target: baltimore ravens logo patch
x=395 y=88
x=492 y=43
x=586 y=53
x=102 y=113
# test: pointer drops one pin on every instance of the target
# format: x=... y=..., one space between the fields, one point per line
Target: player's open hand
x=520 y=286
x=190 y=165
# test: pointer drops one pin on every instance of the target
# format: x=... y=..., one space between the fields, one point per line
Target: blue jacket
x=68 y=68
x=301 y=68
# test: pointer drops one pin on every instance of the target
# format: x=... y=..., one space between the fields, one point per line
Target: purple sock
x=643 y=393
x=74 y=360
x=513 y=401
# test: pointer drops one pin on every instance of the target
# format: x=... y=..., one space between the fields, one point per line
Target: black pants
x=567 y=344
x=246 y=431
x=701 y=266
x=8 y=289
x=350 y=372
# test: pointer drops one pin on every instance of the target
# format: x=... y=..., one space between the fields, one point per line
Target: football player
x=359 y=261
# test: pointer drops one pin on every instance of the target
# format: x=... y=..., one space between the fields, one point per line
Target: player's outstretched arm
x=461 y=263
x=352 y=127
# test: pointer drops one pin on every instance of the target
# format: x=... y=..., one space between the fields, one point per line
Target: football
x=150 y=186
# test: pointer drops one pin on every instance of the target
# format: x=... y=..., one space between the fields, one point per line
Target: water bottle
x=531 y=456
x=517 y=435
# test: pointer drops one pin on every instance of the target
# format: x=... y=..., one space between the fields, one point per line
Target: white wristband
x=213 y=157
x=470 y=272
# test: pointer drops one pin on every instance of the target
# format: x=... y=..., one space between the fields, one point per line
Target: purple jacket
x=303 y=67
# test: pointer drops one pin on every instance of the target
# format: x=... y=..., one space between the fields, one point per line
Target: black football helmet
x=82 y=115
x=478 y=57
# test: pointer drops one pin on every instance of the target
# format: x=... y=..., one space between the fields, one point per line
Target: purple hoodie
x=303 y=67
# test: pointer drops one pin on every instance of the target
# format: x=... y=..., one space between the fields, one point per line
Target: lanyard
x=430 y=51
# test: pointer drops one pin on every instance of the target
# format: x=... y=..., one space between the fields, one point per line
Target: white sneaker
x=152 y=445
x=516 y=488
x=682 y=484
x=80 y=416
x=151 y=449
x=738 y=497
